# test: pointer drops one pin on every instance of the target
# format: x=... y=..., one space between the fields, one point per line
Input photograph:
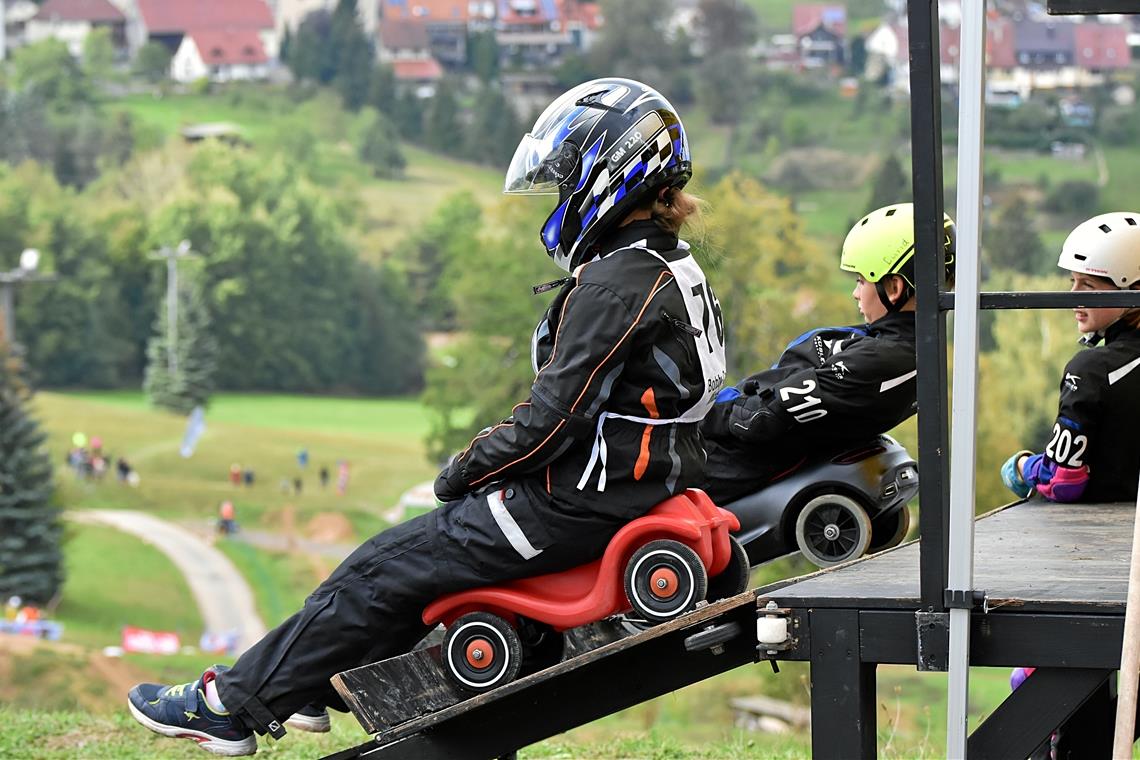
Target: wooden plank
x=405 y=694
x=1036 y=555
x=385 y=694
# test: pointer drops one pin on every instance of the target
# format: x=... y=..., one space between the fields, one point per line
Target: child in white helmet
x=1093 y=453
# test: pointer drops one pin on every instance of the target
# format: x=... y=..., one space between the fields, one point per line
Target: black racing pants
x=370 y=607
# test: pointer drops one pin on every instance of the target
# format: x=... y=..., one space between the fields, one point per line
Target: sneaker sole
x=309 y=723
x=207 y=742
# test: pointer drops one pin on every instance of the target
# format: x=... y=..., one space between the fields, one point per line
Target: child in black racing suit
x=833 y=386
x=628 y=360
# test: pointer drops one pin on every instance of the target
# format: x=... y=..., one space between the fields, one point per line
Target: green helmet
x=882 y=243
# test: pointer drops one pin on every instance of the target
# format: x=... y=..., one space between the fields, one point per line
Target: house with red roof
x=168 y=21
x=220 y=55
x=70 y=21
x=405 y=46
x=446 y=23
x=820 y=30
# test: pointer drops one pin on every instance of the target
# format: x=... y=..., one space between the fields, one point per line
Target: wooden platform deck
x=1036 y=556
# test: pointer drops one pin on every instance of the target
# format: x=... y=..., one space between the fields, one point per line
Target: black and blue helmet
x=602 y=147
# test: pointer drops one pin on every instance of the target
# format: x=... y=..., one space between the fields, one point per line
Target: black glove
x=451 y=485
x=750 y=418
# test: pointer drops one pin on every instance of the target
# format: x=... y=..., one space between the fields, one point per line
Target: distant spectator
x=285 y=486
x=12 y=607
x=235 y=474
x=342 y=477
x=226 y=517
x=123 y=469
x=247 y=477
x=303 y=457
x=324 y=476
x=297 y=485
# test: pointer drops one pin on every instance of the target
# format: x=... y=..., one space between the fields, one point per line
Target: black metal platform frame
x=1077 y=654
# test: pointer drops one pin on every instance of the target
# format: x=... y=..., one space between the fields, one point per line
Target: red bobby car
x=665 y=558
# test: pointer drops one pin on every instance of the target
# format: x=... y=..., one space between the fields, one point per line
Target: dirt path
x=222 y=594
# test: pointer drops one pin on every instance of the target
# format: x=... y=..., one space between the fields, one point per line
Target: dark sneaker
x=181 y=712
x=312 y=718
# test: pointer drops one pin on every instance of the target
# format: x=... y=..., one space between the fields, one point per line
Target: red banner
x=150 y=642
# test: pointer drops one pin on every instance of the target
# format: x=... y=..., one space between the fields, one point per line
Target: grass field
x=381 y=440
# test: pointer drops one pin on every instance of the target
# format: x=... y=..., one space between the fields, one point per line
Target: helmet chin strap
x=894 y=306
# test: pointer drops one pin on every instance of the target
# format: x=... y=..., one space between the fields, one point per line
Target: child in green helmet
x=833 y=386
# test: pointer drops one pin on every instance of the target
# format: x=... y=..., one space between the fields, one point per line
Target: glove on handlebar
x=1011 y=475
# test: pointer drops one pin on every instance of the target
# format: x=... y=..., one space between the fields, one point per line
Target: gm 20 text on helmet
x=603 y=147
x=882 y=243
x=1106 y=246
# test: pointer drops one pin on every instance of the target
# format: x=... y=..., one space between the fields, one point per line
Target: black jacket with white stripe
x=615 y=339
x=831 y=388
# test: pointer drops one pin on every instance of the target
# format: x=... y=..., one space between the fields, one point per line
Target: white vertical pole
x=3 y=32
x=1130 y=652
x=964 y=405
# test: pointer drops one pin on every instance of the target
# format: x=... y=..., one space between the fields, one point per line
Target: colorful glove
x=1011 y=476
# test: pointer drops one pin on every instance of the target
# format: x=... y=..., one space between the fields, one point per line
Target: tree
x=442 y=130
x=352 y=55
x=153 y=62
x=483 y=55
x=633 y=43
x=772 y=282
x=890 y=184
x=430 y=251
x=1013 y=242
x=309 y=51
x=495 y=130
x=378 y=145
x=196 y=352
x=31 y=561
x=725 y=25
x=382 y=92
x=48 y=70
x=488 y=370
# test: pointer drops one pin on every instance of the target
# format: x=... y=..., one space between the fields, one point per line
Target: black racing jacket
x=1093 y=453
x=832 y=387
x=615 y=340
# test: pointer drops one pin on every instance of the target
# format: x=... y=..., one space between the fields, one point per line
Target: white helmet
x=1105 y=246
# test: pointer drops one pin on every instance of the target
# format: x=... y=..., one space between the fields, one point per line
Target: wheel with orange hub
x=481 y=651
x=664 y=579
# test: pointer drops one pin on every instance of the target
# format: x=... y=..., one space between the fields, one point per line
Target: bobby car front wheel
x=481 y=651
x=664 y=579
x=833 y=528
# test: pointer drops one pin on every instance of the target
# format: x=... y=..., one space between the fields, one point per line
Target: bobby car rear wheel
x=664 y=579
x=889 y=532
x=833 y=528
x=481 y=651
x=733 y=579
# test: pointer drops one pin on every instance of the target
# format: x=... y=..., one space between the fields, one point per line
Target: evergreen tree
x=496 y=130
x=378 y=145
x=382 y=92
x=1013 y=242
x=442 y=130
x=31 y=561
x=192 y=383
x=890 y=184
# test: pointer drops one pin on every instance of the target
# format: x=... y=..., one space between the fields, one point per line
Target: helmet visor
x=540 y=167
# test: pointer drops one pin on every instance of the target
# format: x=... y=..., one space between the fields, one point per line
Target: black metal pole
x=926 y=172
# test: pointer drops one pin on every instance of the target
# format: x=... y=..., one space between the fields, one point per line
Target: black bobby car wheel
x=833 y=528
x=733 y=579
x=481 y=651
x=664 y=579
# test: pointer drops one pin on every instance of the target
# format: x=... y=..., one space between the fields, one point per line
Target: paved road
x=223 y=596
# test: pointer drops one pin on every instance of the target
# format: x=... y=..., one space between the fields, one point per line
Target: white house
x=221 y=55
x=70 y=21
